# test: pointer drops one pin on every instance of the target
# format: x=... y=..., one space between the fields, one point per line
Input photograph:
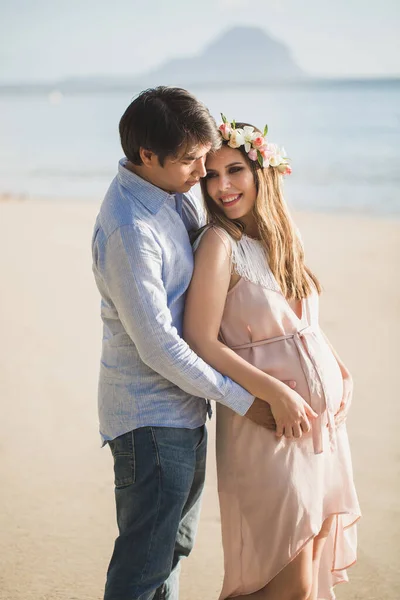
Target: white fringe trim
x=250 y=262
x=248 y=259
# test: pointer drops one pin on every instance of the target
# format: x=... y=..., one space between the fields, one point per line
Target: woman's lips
x=230 y=200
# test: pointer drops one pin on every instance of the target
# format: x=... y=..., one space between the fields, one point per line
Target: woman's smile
x=229 y=200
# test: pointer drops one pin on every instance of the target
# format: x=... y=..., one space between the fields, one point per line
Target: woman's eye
x=210 y=175
x=235 y=169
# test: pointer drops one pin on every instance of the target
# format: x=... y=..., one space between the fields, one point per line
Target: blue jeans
x=159 y=477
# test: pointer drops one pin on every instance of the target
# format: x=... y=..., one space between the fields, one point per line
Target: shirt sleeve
x=132 y=273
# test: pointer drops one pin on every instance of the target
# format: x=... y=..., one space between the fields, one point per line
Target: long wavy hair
x=277 y=231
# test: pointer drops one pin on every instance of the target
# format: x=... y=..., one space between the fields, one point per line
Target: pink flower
x=225 y=130
x=252 y=154
x=258 y=142
x=266 y=153
x=284 y=169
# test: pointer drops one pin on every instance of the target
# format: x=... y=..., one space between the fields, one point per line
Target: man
x=152 y=386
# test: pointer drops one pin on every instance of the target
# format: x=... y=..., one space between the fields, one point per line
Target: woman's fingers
x=297 y=432
x=347 y=393
x=291 y=383
x=341 y=408
x=341 y=415
x=309 y=411
x=288 y=432
x=300 y=423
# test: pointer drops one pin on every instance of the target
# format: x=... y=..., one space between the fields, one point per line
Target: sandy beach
x=57 y=519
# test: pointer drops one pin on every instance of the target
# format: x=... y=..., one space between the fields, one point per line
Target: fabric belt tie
x=315 y=383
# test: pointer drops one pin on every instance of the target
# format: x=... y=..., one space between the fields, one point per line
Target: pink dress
x=276 y=493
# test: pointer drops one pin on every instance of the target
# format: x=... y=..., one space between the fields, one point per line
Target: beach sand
x=57 y=516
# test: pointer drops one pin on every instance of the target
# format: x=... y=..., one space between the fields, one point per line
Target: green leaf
x=233 y=124
x=223 y=117
x=265 y=130
x=260 y=158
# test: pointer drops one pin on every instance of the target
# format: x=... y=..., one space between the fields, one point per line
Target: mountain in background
x=241 y=55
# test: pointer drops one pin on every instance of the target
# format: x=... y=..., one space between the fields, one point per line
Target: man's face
x=179 y=174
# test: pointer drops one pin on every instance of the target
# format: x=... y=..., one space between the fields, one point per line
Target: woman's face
x=230 y=183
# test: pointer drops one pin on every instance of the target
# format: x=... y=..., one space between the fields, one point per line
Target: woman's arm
x=205 y=303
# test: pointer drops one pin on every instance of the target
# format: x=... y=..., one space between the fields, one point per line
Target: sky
x=49 y=40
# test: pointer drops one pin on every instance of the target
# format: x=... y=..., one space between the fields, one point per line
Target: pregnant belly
x=312 y=366
x=328 y=369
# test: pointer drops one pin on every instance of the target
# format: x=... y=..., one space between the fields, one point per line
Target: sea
x=343 y=139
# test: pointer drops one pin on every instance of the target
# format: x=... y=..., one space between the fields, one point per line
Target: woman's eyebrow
x=238 y=162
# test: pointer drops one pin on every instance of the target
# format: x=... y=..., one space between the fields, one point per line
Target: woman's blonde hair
x=276 y=229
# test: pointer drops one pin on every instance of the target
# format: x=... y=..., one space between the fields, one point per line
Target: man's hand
x=344 y=407
x=260 y=411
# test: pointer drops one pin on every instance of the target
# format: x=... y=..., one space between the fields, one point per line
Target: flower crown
x=256 y=146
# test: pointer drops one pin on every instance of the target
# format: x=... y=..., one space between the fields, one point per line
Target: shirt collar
x=151 y=196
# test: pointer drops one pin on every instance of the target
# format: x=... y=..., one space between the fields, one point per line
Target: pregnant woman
x=287 y=498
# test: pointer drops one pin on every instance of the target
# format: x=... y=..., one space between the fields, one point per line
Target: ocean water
x=343 y=141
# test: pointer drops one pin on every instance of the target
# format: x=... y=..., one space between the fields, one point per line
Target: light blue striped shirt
x=143 y=263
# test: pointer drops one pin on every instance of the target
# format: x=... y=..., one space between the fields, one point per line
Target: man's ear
x=148 y=157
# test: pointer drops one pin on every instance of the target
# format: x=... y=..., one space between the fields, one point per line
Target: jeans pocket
x=203 y=436
x=123 y=451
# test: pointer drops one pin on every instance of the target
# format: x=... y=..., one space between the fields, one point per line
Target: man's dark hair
x=168 y=121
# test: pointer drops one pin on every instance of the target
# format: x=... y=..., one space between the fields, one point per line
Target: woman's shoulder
x=212 y=235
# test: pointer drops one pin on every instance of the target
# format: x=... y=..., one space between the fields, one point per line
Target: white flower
x=237 y=138
x=279 y=156
x=248 y=134
x=275 y=160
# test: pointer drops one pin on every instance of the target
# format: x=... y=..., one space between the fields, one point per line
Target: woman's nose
x=224 y=183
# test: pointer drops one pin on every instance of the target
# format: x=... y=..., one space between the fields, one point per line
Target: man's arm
x=132 y=271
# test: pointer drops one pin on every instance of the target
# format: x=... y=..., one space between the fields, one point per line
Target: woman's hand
x=291 y=412
x=341 y=415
